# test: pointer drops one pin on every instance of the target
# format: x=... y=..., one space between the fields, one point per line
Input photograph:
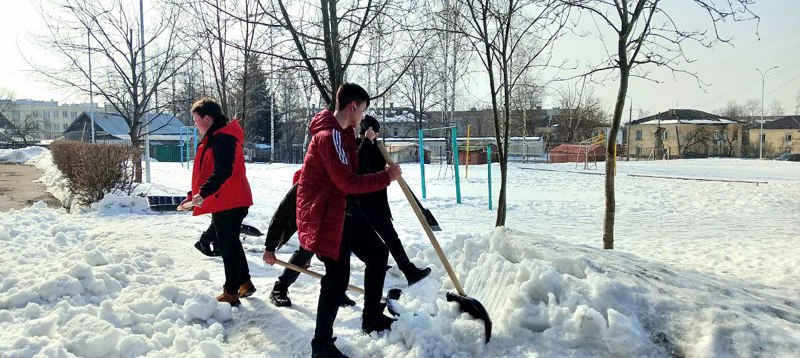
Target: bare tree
x=581 y=111
x=776 y=109
x=752 y=108
x=697 y=142
x=420 y=84
x=113 y=28
x=527 y=98
x=326 y=38
x=648 y=34
x=731 y=138
x=732 y=110
x=509 y=36
x=797 y=104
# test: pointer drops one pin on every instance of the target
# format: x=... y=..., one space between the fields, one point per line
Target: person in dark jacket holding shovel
x=376 y=204
x=220 y=188
x=281 y=228
x=329 y=222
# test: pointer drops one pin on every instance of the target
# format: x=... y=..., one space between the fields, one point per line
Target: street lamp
x=761 y=132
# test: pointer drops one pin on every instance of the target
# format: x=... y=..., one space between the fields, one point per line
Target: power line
x=745 y=86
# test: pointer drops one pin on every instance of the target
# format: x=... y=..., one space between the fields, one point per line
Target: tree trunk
x=611 y=142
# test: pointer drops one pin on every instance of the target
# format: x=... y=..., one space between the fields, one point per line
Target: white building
x=50 y=117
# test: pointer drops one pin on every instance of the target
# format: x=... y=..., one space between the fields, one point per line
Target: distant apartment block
x=50 y=117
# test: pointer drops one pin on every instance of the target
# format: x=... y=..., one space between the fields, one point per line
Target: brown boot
x=229 y=298
x=246 y=289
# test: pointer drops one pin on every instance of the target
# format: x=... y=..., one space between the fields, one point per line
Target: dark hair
x=208 y=106
x=369 y=122
x=349 y=92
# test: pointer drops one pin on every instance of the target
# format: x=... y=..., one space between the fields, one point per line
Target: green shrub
x=95 y=169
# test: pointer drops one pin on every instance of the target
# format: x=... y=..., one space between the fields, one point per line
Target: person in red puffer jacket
x=330 y=222
x=220 y=188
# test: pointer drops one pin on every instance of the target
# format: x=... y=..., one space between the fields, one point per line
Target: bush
x=95 y=169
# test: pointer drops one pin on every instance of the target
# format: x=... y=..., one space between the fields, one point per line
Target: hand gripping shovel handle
x=467 y=304
x=424 y=222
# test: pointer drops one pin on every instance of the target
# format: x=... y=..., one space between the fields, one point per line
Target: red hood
x=324 y=120
x=234 y=129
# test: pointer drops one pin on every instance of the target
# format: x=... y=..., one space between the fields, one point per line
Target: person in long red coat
x=330 y=222
x=220 y=188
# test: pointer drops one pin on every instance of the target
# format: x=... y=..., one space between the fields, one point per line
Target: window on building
x=788 y=138
x=15 y=114
x=74 y=114
x=639 y=135
x=664 y=135
x=395 y=132
x=35 y=113
x=64 y=114
x=55 y=114
x=763 y=138
x=46 y=114
x=65 y=126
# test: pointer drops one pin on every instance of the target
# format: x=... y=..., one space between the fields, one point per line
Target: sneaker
x=233 y=300
x=205 y=248
x=280 y=296
x=346 y=301
x=375 y=323
x=247 y=289
x=325 y=349
x=417 y=275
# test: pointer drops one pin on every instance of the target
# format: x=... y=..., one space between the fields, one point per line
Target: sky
x=729 y=71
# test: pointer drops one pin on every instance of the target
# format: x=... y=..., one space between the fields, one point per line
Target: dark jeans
x=383 y=226
x=361 y=239
x=224 y=230
x=301 y=258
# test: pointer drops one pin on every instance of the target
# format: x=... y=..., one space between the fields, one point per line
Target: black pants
x=301 y=258
x=224 y=230
x=360 y=238
x=383 y=226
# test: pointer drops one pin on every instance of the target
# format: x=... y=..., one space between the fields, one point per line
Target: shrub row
x=95 y=169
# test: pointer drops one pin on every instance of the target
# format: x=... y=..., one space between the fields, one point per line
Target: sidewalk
x=17 y=189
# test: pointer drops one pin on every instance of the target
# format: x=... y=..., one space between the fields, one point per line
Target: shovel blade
x=474 y=308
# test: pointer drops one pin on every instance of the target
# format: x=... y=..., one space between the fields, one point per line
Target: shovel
x=393 y=294
x=246 y=229
x=468 y=304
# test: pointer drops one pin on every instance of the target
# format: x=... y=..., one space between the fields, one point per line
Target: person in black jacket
x=376 y=204
x=281 y=228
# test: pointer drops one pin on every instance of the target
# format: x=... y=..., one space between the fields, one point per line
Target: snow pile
x=19 y=156
x=66 y=291
x=133 y=280
x=112 y=204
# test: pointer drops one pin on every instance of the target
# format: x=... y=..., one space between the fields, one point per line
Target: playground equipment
x=585 y=151
x=188 y=144
x=453 y=155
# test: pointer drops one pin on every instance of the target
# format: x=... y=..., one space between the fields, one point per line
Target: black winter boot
x=280 y=295
x=415 y=275
x=375 y=323
x=346 y=301
x=205 y=248
x=325 y=349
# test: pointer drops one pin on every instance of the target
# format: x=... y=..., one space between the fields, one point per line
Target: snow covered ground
x=700 y=269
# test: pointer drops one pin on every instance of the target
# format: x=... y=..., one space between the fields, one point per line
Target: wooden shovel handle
x=314 y=274
x=424 y=223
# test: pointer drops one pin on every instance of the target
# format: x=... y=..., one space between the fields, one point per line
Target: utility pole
x=144 y=89
x=91 y=93
x=271 y=102
x=761 y=132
